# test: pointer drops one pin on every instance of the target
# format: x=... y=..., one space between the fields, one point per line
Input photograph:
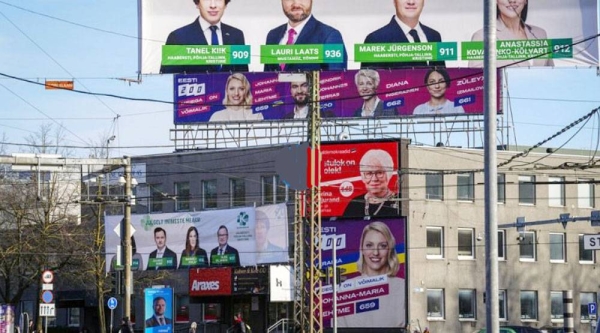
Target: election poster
x=158 y=310
x=365 y=93
x=360 y=179
x=371 y=256
x=252 y=36
x=186 y=240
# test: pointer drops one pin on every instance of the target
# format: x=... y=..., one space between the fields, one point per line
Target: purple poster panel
x=365 y=93
x=371 y=255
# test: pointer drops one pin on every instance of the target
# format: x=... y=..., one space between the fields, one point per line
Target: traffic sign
x=47 y=276
x=112 y=303
x=47 y=310
x=47 y=296
x=592 y=310
x=591 y=242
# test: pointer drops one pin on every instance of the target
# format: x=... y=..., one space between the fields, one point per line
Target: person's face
x=366 y=87
x=375 y=178
x=193 y=238
x=159 y=307
x=236 y=92
x=299 y=91
x=409 y=10
x=436 y=85
x=260 y=232
x=296 y=10
x=211 y=10
x=511 y=8
x=375 y=250
x=222 y=236
x=160 y=239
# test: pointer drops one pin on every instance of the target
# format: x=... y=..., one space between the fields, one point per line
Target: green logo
x=146 y=222
x=242 y=219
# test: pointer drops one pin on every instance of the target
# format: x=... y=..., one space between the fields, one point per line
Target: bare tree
x=49 y=139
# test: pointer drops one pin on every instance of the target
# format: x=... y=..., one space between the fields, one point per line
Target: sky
x=537 y=102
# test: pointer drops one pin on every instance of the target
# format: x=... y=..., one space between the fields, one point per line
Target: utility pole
x=127 y=238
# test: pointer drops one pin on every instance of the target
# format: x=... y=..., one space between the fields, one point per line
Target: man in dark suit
x=201 y=31
x=404 y=28
x=299 y=93
x=306 y=30
x=168 y=257
x=158 y=318
x=224 y=250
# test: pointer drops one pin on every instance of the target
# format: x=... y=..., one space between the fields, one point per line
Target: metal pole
x=568 y=320
x=335 y=282
x=127 y=240
x=490 y=167
x=111 y=320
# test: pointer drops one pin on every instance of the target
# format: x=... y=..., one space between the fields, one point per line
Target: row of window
x=467 y=305
x=272 y=191
x=527 y=245
x=465 y=189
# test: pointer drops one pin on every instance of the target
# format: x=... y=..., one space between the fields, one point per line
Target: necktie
x=162 y=321
x=290 y=41
x=214 y=39
x=415 y=35
x=220 y=251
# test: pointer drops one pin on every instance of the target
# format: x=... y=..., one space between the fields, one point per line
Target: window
x=182 y=195
x=585 y=256
x=556 y=191
x=183 y=309
x=466 y=244
x=586 y=193
x=434 y=186
x=529 y=305
x=435 y=242
x=465 y=186
x=501 y=245
x=556 y=305
x=501 y=188
x=209 y=194
x=584 y=300
x=502 y=306
x=527 y=190
x=73 y=317
x=557 y=247
x=527 y=246
x=156 y=198
x=435 y=303
x=273 y=190
x=238 y=192
x=466 y=304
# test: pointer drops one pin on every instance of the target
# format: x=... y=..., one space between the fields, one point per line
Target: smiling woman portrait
x=437 y=81
x=237 y=101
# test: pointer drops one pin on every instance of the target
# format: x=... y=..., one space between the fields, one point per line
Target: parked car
x=502 y=330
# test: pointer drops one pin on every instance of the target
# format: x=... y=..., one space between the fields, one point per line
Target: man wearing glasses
x=376 y=171
x=224 y=254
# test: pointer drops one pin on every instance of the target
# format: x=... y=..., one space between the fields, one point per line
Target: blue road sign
x=112 y=303
x=47 y=296
x=593 y=309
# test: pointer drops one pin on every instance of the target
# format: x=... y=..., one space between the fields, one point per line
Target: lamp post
x=127 y=237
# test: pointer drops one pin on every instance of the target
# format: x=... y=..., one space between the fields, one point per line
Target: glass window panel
x=556 y=191
x=529 y=305
x=557 y=247
x=182 y=196
x=501 y=188
x=527 y=190
x=434 y=186
x=585 y=256
x=465 y=184
x=527 y=245
x=466 y=304
x=435 y=242
x=556 y=305
x=584 y=300
x=435 y=303
x=238 y=192
x=586 y=193
x=465 y=243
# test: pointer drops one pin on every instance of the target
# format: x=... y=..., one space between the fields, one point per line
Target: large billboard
x=233 y=237
x=360 y=179
x=365 y=93
x=347 y=34
x=371 y=254
x=158 y=309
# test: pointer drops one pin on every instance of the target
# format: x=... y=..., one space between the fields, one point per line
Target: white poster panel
x=168 y=241
x=281 y=283
x=456 y=21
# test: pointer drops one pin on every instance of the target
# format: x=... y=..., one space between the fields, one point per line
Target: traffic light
x=116 y=282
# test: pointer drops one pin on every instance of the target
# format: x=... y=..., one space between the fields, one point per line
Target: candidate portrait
x=207 y=29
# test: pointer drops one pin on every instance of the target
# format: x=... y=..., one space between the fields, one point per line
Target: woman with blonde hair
x=237 y=101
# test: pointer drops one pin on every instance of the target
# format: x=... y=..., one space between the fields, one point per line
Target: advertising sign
x=251 y=280
x=231 y=237
x=350 y=34
x=371 y=255
x=158 y=310
x=7 y=318
x=281 y=283
x=348 y=94
x=360 y=179
x=210 y=281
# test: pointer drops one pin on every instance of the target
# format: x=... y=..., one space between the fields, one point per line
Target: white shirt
x=405 y=28
x=208 y=33
x=297 y=28
x=446 y=108
x=301 y=113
